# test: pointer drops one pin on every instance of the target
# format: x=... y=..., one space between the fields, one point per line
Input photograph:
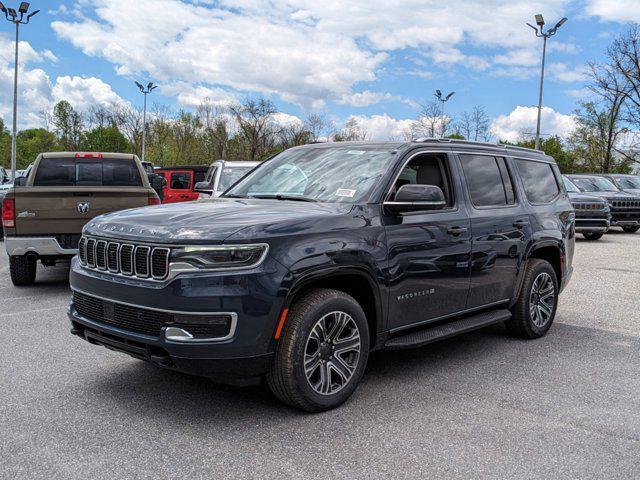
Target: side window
x=180 y=181
x=426 y=170
x=539 y=181
x=488 y=179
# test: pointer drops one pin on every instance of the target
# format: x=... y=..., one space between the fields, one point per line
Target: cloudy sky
x=376 y=60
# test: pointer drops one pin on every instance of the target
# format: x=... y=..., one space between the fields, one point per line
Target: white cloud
x=563 y=73
x=83 y=93
x=364 y=99
x=383 y=127
x=37 y=93
x=621 y=11
x=192 y=96
x=521 y=122
x=304 y=51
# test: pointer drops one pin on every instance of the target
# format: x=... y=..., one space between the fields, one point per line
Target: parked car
x=157 y=181
x=181 y=182
x=325 y=253
x=593 y=215
x=43 y=214
x=626 y=183
x=625 y=208
x=221 y=175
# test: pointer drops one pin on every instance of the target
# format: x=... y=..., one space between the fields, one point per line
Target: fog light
x=177 y=334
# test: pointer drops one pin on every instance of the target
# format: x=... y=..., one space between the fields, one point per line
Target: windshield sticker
x=345 y=192
x=356 y=152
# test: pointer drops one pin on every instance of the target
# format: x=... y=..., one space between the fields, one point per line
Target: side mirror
x=412 y=198
x=203 y=187
x=20 y=182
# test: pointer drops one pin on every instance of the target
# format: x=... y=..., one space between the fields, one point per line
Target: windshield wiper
x=285 y=197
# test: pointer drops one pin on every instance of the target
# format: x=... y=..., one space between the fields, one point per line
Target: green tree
x=5 y=145
x=31 y=143
x=67 y=124
x=554 y=147
x=105 y=139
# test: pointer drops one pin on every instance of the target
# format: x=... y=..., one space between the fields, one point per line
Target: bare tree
x=253 y=118
x=129 y=120
x=430 y=122
x=352 y=132
x=474 y=124
x=215 y=124
x=318 y=127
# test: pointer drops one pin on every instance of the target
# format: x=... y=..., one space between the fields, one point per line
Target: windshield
x=335 y=174
x=570 y=186
x=594 y=184
x=628 y=182
x=231 y=175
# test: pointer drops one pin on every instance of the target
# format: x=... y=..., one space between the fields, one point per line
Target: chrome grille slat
x=141 y=261
x=101 y=255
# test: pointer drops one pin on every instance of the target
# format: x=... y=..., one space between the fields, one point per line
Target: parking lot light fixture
x=442 y=99
x=540 y=33
x=145 y=91
x=12 y=16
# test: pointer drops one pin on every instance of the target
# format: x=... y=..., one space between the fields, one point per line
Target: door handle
x=521 y=223
x=455 y=231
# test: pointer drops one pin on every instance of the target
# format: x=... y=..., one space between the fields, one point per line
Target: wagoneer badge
x=83 y=207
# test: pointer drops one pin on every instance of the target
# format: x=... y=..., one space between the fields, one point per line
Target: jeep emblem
x=83 y=207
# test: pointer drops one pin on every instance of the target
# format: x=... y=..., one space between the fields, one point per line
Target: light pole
x=18 y=19
x=150 y=88
x=443 y=100
x=545 y=35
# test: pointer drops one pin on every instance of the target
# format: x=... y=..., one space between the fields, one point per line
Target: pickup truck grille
x=589 y=205
x=625 y=204
x=141 y=261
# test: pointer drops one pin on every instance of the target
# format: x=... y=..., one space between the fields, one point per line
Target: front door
x=500 y=228
x=429 y=251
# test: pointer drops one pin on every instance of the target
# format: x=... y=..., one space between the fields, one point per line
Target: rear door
x=180 y=186
x=500 y=228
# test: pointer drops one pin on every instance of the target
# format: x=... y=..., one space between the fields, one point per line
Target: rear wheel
x=323 y=352
x=23 y=270
x=592 y=235
x=536 y=306
x=631 y=229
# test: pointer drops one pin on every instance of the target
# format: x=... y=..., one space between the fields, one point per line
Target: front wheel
x=535 y=308
x=592 y=235
x=631 y=229
x=323 y=352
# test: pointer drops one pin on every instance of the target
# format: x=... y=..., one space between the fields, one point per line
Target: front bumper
x=241 y=358
x=592 y=225
x=42 y=246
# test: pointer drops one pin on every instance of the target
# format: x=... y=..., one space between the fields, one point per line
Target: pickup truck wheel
x=536 y=306
x=631 y=229
x=322 y=353
x=592 y=235
x=23 y=270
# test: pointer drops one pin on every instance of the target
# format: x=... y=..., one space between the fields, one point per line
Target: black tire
x=287 y=378
x=631 y=229
x=522 y=324
x=592 y=235
x=23 y=270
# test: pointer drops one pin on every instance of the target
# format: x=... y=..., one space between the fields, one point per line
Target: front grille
x=149 y=322
x=141 y=261
x=589 y=206
x=625 y=204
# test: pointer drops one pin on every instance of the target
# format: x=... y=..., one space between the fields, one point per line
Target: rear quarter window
x=539 y=180
x=82 y=172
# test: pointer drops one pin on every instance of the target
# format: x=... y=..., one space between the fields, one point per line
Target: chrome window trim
x=232 y=328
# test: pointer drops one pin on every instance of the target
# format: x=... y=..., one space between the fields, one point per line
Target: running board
x=447 y=330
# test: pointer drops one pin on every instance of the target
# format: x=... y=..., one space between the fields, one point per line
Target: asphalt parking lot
x=482 y=405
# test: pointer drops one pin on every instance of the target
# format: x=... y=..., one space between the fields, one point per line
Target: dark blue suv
x=325 y=253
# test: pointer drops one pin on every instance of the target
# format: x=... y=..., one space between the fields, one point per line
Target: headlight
x=220 y=257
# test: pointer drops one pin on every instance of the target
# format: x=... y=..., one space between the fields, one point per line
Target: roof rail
x=471 y=142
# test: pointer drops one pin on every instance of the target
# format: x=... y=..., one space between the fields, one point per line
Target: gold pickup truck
x=43 y=214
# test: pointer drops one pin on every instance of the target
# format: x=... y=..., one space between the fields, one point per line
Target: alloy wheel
x=332 y=353
x=542 y=299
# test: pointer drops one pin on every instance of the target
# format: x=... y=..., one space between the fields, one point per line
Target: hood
x=583 y=197
x=611 y=196
x=209 y=221
x=632 y=191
